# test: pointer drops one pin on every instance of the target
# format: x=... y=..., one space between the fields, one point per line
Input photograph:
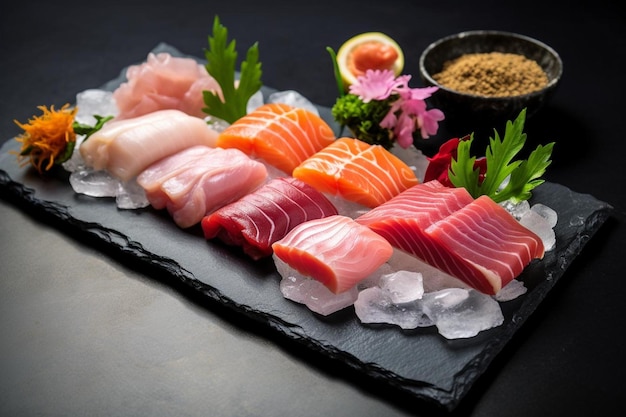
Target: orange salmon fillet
x=357 y=171
x=281 y=135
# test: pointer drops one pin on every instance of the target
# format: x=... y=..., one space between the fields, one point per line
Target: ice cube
x=460 y=313
x=315 y=295
x=413 y=157
x=374 y=305
x=517 y=210
x=546 y=212
x=94 y=102
x=511 y=291
x=433 y=278
x=294 y=99
x=94 y=183
x=540 y=226
x=403 y=286
x=254 y=102
x=131 y=196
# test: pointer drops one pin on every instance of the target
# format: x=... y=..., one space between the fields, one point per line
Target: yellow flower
x=47 y=139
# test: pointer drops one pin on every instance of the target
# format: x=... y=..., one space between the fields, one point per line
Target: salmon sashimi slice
x=357 y=171
x=266 y=215
x=334 y=250
x=281 y=135
x=474 y=240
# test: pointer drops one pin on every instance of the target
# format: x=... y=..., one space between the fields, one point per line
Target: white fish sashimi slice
x=334 y=250
x=127 y=147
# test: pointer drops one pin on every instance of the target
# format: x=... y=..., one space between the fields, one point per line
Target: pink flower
x=408 y=112
x=429 y=122
x=374 y=85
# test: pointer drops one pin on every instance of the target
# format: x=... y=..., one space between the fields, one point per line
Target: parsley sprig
x=221 y=59
x=523 y=175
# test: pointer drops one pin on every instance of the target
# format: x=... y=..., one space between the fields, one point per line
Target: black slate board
x=420 y=363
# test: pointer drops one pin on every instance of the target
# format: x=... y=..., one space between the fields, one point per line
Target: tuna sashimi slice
x=486 y=238
x=127 y=147
x=281 y=135
x=335 y=250
x=357 y=171
x=266 y=215
x=197 y=181
x=477 y=241
x=421 y=205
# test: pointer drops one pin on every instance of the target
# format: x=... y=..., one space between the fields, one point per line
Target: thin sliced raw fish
x=281 y=135
x=335 y=250
x=477 y=241
x=199 y=180
x=163 y=82
x=127 y=147
x=484 y=236
x=266 y=215
x=357 y=171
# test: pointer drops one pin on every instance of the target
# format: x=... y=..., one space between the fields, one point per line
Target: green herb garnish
x=221 y=59
x=336 y=71
x=87 y=130
x=363 y=119
x=523 y=175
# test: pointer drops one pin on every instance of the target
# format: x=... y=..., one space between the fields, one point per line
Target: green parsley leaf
x=523 y=175
x=221 y=59
x=363 y=119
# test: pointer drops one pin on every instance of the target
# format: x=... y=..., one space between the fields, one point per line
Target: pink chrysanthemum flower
x=407 y=113
x=374 y=85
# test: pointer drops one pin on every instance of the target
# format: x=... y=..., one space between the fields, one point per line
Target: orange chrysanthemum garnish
x=48 y=139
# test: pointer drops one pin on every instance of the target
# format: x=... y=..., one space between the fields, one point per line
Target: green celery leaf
x=523 y=175
x=500 y=153
x=221 y=60
x=527 y=176
x=462 y=172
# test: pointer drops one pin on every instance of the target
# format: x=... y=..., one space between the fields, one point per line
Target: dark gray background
x=84 y=334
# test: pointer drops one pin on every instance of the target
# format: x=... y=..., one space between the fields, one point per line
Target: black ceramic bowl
x=477 y=110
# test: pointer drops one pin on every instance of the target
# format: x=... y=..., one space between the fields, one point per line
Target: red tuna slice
x=335 y=250
x=419 y=206
x=266 y=215
x=477 y=241
x=485 y=239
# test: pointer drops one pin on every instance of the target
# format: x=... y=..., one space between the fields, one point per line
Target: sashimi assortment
x=281 y=135
x=221 y=182
x=335 y=250
x=126 y=147
x=199 y=180
x=475 y=240
x=357 y=171
x=266 y=215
